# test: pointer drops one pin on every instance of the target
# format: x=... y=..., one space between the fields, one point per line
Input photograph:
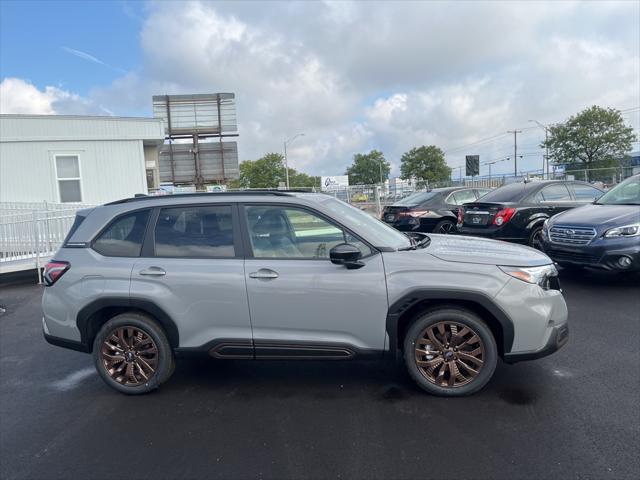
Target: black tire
x=459 y=316
x=448 y=225
x=164 y=359
x=535 y=239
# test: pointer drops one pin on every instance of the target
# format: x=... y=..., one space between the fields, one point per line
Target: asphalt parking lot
x=575 y=414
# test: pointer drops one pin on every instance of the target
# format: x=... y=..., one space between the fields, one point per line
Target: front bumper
x=557 y=339
x=604 y=253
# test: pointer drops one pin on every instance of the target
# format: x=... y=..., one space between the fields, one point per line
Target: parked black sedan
x=432 y=211
x=516 y=212
x=604 y=234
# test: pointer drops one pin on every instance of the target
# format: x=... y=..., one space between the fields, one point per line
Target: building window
x=68 y=177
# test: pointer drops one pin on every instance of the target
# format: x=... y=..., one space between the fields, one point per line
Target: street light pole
x=286 y=163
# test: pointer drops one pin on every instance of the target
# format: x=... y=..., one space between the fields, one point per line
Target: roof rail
x=138 y=197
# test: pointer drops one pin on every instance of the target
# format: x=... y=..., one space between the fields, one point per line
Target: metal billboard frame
x=197 y=116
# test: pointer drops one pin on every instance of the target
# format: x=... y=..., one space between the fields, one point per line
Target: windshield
x=416 y=199
x=375 y=231
x=626 y=193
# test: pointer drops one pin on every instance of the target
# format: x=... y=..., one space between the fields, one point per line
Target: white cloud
x=20 y=96
x=357 y=75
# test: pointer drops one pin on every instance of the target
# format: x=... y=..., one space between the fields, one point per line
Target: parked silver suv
x=259 y=275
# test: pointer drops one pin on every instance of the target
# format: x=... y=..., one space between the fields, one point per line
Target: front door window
x=283 y=232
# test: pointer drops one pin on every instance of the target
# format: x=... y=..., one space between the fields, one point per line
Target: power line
x=484 y=140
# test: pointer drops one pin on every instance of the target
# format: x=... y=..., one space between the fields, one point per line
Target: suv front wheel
x=132 y=354
x=450 y=351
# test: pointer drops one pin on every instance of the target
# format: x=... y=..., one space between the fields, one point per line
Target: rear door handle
x=153 y=272
x=264 y=273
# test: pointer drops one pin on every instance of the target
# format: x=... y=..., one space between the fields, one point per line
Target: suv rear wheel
x=132 y=354
x=450 y=352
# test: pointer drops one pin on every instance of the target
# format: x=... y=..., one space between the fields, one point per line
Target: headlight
x=545 y=228
x=626 y=231
x=535 y=275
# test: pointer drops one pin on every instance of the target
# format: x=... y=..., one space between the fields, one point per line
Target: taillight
x=54 y=270
x=413 y=213
x=460 y=216
x=503 y=216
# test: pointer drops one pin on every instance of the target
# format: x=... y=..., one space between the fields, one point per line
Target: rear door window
x=123 y=237
x=464 y=196
x=554 y=193
x=195 y=232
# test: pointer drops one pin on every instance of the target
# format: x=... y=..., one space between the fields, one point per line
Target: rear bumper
x=414 y=224
x=64 y=343
x=495 y=233
x=557 y=339
x=602 y=253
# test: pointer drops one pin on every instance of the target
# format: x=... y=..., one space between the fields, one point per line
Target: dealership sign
x=335 y=183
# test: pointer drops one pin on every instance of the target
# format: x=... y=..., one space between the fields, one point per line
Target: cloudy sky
x=351 y=76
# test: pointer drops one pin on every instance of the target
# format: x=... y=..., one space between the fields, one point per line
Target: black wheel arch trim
x=536 y=220
x=140 y=305
x=413 y=297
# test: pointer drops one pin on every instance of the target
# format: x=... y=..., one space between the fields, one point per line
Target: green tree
x=302 y=180
x=268 y=172
x=594 y=138
x=426 y=164
x=366 y=168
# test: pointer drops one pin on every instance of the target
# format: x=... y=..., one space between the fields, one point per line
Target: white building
x=69 y=159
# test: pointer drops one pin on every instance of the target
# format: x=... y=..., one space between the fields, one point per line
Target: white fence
x=30 y=233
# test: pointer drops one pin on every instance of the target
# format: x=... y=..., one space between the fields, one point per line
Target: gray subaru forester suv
x=275 y=275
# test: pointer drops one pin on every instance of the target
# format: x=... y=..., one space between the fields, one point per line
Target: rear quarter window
x=76 y=224
x=123 y=236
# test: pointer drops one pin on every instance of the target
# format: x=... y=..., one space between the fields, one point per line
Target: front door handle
x=153 y=272
x=264 y=273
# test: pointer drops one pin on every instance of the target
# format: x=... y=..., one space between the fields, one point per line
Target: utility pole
x=515 y=150
x=546 y=146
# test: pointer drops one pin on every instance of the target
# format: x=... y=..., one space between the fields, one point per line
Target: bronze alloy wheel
x=449 y=354
x=129 y=356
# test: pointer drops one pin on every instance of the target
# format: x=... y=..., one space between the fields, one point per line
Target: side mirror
x=347 y=255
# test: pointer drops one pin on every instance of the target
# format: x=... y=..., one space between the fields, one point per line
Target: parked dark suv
x=432 y=211
x=604 y=234
x=516 y=212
